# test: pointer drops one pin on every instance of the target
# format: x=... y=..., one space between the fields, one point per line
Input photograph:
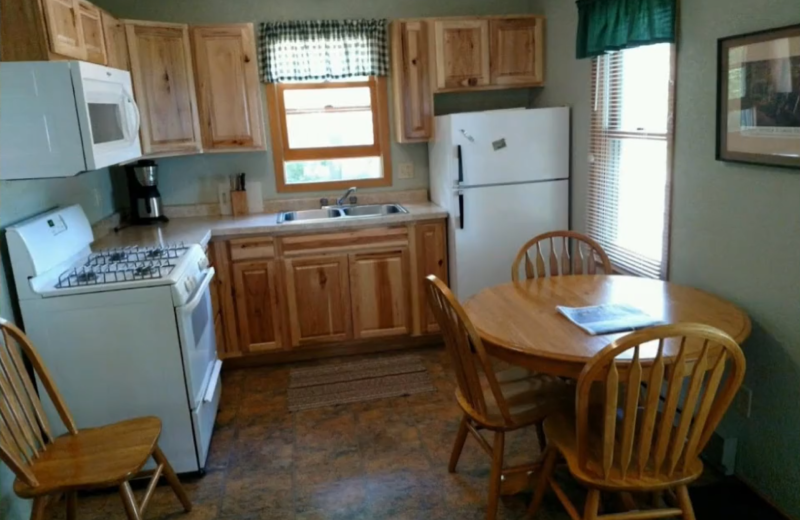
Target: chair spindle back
x=560 y=253
x=465 y=348
x=24 y=429
x=646 y=432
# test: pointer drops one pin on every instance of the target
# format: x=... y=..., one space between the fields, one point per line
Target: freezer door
x=498 y=220
x=505 y=146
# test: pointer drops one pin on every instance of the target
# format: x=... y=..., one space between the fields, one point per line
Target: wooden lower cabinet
x=380 y=293
x=314 y=293
x=431 y=259
x=219 y=334
x=318 y=298
x=257 y=310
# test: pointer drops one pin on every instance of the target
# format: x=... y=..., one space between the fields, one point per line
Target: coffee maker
x=146 y=205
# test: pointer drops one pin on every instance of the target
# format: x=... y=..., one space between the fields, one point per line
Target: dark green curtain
x=611 y=25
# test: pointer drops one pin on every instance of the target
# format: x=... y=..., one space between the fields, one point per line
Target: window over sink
x=330 y=135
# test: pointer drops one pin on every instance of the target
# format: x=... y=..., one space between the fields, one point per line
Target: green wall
x=735 y=228
x=18 y=201
x=193 y=179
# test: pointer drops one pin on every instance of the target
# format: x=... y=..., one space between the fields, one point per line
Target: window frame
x=602 y=117
x=281 y=153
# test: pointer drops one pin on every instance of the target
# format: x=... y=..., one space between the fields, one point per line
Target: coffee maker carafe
x=146 y=205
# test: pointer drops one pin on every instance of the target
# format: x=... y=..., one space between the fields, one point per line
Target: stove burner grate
x=136 y=254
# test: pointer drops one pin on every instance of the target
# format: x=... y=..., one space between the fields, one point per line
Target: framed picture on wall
x=758 y=98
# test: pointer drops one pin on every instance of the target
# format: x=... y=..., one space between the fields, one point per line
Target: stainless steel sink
x=366 y=210
x=373 y=210
x=309 y=214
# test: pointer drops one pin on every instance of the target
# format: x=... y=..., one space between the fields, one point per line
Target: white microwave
x=58 y=119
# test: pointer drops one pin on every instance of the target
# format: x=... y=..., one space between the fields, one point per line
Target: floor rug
x=356 y=381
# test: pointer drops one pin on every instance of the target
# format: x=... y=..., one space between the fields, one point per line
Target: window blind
x=630 y=161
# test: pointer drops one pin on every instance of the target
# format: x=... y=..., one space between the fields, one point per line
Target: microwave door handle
x=136 y=125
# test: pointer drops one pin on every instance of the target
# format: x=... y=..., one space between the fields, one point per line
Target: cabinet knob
x=246 y=59
x=414 y=61
x=472 y=82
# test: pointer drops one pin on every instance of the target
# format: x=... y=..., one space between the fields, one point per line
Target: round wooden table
x=519 y=323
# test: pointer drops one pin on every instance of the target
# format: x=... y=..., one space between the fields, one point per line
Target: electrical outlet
x=406 y=170
x=744 y=401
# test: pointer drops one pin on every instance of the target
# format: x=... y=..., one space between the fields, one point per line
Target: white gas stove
x=51 y=256
x=126 y=332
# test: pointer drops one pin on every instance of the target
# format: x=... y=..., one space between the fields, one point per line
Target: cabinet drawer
x=252 y=248
x=346 y=241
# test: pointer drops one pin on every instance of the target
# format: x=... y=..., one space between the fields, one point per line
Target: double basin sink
x=342 y=212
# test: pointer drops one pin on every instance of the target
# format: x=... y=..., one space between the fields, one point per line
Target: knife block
x=239 y=203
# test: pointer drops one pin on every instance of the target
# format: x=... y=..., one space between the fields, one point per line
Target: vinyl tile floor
x=376 y=460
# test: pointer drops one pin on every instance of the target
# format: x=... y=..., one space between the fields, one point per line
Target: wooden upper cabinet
x=431 y=251
x=228 y=87
x=163 y=83
x=257 y=307
x=380 y=289
x=92 y=26
x=64 y=28
x=517 y=51
x=411 y=76
x=116 y=43
x=462 y=54
x=318 y=298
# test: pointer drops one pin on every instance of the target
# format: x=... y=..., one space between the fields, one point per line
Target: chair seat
x=561 y=432
x=94 y=458
x=530 y=397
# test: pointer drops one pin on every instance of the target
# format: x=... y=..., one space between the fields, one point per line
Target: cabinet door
x=163 y=83
x=64 y=28
x=412 y=83
x=431 y=259
x=517 y=51
x=228 y=88
x=462 y=54
x=219 y=257
x=116 y=44
x=318 y=293
x=219 y=334
x=257 y=307
x=93 y=39
x=379 y=287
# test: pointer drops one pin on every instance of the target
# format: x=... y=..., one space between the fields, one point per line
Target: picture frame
x=758 y=98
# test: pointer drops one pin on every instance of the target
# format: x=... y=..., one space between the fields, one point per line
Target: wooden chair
x=586 y=254
x=498 y=402
x=47 y=466
x=635 y=438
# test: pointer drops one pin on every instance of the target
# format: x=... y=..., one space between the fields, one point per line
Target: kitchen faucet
x=346 y=195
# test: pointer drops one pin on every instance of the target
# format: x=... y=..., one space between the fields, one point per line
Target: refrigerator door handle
x=460 y=182
x=460 y=166
x=460 y=209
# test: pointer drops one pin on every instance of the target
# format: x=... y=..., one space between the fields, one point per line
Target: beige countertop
x=201 y=230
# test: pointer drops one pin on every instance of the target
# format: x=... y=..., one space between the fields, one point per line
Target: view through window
x=330 y=133
x=630 y=159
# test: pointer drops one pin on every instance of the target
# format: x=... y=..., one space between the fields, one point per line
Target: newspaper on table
x=609 y=318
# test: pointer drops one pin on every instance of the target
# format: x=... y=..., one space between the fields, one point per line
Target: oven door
x=198 y=340
x=109 y=116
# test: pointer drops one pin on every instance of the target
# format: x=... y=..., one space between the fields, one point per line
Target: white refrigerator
x=503 y=176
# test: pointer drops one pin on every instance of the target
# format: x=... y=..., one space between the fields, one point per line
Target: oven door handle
x=192 y=304
x=213 y=382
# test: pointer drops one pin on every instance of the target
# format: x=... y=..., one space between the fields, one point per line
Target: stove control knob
x=188 y=285
x=202 y=264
